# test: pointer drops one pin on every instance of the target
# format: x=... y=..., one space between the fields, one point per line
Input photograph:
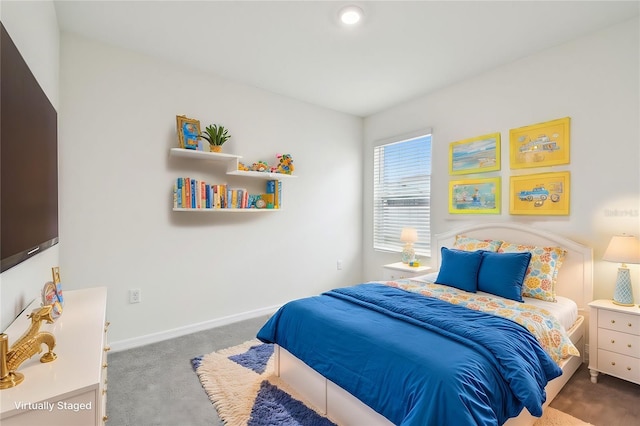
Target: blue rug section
x=195 y=362
x=276 y=407
x=255 y=358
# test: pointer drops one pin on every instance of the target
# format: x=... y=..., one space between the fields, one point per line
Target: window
x=402 y=193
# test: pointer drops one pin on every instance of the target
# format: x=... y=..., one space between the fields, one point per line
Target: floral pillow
x=465 y=243
x=542 y=273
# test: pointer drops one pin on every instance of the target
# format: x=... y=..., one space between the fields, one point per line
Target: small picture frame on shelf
x=188 y=132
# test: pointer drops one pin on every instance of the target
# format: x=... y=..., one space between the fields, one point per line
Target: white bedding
x=564 y=309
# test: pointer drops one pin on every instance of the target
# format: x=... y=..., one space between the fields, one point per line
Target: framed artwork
x=475 y=155
x=188 y=132
x=540 y=145
x=474 y=196
x=540 y=194
x=55 y=272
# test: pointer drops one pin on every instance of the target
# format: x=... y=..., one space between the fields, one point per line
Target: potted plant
x=216 y=136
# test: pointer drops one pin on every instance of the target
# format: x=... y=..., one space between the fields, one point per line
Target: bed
x=452 y=377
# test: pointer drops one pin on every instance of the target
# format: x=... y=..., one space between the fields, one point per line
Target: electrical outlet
x=339 y=264
x=135 y=295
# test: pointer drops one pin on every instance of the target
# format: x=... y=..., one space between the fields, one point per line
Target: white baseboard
x=135 y=342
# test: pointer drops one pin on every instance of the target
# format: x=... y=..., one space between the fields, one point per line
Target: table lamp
x=623 y=249
x=408 y=236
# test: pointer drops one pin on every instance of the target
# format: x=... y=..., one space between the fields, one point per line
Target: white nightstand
x=614 y=339
x=399 y=270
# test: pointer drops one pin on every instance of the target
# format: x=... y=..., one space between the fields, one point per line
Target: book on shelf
x=192 y=194
x=175 y=195
x=273 y=196
x=189 y=193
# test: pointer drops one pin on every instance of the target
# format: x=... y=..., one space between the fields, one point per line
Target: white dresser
x=614 y=341
x=72 y=389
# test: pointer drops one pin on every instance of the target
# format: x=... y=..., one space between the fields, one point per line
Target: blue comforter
x=414 y=359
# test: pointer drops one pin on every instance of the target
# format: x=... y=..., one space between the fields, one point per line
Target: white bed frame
x=575 y=281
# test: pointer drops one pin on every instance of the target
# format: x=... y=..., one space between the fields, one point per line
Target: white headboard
x=575 y=278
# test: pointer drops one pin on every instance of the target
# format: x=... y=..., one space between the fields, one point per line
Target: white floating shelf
x=203 y=155
x=232 y=163
x=226 y=210
x=260 y=175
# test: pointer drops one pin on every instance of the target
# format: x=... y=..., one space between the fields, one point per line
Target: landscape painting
x=475 y=155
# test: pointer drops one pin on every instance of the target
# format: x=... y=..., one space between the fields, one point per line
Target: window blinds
x=402 y=193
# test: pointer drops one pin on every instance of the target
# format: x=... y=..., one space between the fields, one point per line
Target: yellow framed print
x=474 y=196
x=188 y=132
x=540 y=194
x=475 y=155
x=540 y=145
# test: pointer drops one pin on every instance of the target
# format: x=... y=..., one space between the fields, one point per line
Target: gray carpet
x=155 y=385
x=610 y=402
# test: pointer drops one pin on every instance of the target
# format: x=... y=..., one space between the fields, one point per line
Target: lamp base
x=408 y=253
x=623 y=293
x=623 y=304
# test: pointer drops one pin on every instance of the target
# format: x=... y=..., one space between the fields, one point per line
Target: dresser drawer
x=622 y=343
x=622 y=366
x=618 y=321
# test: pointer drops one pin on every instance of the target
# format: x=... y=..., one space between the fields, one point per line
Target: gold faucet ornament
x=25 y=347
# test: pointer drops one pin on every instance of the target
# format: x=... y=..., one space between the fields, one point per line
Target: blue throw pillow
x=503 y=274
x=459 y=269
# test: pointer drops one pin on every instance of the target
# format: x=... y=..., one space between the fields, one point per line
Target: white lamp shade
x=409 y=235
x=623 y=249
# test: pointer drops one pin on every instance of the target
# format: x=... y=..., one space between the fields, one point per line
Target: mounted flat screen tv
x=28 y=161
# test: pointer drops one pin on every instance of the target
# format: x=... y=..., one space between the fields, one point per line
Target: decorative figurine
x=260 y=166
x=286 y=164
x=25 y=347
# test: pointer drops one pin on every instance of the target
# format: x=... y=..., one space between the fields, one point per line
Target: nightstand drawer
x=399 y=270
x=627 y=323
x=622 y=366
x=622 y=343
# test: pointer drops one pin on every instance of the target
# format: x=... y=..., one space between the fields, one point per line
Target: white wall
x=593 y=80
x=117 y=117
x=118 y=113
x=34 y=30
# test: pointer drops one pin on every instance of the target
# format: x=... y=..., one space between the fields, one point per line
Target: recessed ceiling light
x=351 y=15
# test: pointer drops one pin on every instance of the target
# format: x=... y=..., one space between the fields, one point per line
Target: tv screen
x=28 y=160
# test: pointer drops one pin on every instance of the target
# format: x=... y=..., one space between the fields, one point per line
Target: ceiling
x=401 y=50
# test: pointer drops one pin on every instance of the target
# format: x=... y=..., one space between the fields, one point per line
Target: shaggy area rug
x=241 y=385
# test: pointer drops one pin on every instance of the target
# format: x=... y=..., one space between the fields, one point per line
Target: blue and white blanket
x=414 y=359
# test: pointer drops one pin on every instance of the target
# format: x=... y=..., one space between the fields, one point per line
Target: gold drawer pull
x=629 y=345
x=105 y=365
x=107 y=348
x=613 y=341
x=105 y=418
x=629 y=324
x=613 y=321
x=104 y=391
x=613 y=363
x=628 y=368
